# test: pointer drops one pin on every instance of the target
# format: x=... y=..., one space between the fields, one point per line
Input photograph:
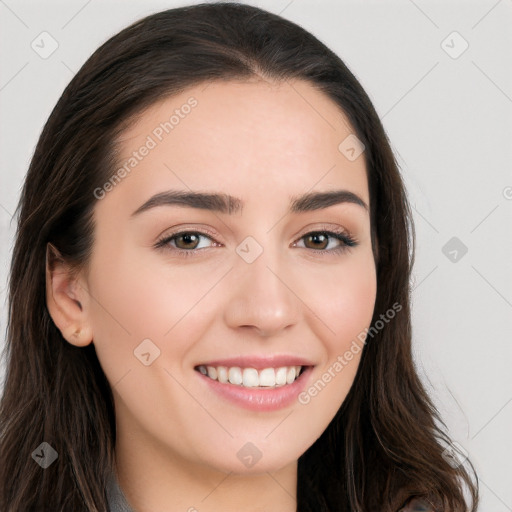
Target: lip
x=264 y=400
x=259 y=363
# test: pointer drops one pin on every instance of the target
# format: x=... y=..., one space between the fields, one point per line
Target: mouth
x=250 y=377
x=256 y=382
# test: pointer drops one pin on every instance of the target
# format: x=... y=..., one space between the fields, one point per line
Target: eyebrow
x=224 y=203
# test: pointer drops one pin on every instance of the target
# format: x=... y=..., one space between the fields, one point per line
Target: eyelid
x=347 y=240
x=330 y=228
x=177 y=230
x=164 y=239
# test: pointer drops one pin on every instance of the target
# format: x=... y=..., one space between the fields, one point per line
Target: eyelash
x=347 y=240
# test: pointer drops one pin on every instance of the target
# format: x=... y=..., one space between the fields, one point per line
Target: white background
x=450 y=124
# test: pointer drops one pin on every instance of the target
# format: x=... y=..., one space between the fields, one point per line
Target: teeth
x=222 y=374
x=281 y=376
x=252 y=378
x=235 y=375
x=268 y=377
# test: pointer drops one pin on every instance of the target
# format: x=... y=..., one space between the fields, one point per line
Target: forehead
x=242 y=136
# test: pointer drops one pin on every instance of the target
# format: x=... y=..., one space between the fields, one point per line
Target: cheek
x=344 y=300
x=135 y=300
x=345 y=304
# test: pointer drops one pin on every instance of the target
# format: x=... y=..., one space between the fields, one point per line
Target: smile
x=251 y=377
x=256 y=382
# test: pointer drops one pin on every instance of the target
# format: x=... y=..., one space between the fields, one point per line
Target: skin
x=261 y=142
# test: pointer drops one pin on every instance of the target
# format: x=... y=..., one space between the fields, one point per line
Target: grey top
x=116 y=499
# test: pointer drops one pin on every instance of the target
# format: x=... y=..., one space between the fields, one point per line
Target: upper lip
x=260 y=362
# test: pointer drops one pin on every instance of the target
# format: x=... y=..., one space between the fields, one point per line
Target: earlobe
x=66 y=300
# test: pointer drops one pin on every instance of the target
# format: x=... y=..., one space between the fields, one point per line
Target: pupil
x=188 y=238
x=317 y=238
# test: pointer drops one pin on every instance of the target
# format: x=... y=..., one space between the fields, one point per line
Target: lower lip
x=257 y=399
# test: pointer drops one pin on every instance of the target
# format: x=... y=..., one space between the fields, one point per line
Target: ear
x=67 y=300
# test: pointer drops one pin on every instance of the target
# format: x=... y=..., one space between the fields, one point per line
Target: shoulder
x=418 y=505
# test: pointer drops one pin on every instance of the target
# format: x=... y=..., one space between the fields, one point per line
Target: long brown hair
x=387 y=442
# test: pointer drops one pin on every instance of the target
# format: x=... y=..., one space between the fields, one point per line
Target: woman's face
x=240 y=288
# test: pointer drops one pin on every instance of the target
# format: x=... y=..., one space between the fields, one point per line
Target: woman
x=209 y=292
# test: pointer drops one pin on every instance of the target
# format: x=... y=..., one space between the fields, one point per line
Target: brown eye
x=186 y=241
x=190 y=240
x=318 y=240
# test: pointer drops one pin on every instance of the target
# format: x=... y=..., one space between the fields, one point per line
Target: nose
x=262 y=297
